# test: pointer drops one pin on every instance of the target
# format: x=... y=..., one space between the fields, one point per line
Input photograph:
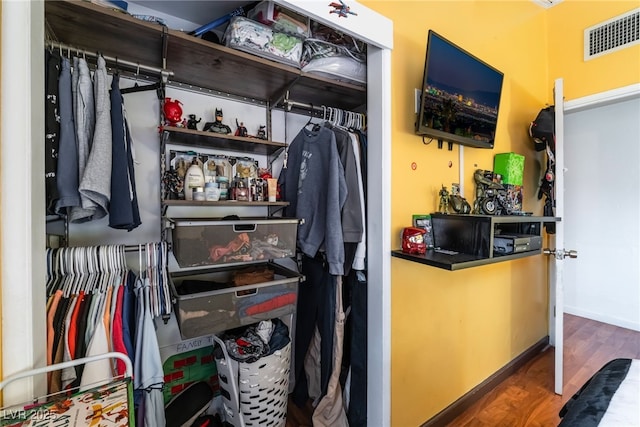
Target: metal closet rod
x=127 y=248
x=288 y=104
x=294 y=104
x=132 y=65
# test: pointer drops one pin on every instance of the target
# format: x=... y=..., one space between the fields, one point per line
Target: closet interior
x=221 y=271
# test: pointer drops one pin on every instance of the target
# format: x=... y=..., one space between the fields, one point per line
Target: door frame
x=23 y=225
x=556 y=283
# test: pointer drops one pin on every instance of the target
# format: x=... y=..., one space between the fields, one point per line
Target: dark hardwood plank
x=526 y=398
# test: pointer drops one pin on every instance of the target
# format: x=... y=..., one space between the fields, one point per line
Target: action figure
x=341 y=9
x=217 y=126
x=262 y=132
x=444 y=201
x=241 y=130
x=172 y=112
x=192 y=123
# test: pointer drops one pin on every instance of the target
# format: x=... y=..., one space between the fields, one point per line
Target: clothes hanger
x=310 y=116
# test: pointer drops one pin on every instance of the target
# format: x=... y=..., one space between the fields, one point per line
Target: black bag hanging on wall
x=543 y=132
x=543 y=129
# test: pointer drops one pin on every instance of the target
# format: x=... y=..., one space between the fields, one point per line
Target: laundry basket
x=254 y=394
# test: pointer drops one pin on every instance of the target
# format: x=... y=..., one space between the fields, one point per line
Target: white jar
x=211 y=192
x=198 y=194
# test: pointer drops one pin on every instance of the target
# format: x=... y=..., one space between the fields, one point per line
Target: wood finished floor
x=526 y=398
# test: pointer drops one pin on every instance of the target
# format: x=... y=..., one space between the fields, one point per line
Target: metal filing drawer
x=219 y=305
x=198 y=242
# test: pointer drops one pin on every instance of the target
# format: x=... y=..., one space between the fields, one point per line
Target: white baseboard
x=604 y=318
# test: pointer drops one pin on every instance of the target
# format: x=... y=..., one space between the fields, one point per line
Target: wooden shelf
x=193 y=61
x=220 y=203
x=196 y=138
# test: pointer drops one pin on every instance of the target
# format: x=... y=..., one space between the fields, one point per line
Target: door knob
x=561 y=253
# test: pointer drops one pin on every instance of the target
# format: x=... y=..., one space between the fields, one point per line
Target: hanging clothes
x=67 y=171
x=95 y=181
x=357 y=410
x=316 y=308
x=149 y=376
x=361 y=250
x=314 y=185
x=330 y=411
x=98 y=372
x=84 y=114
x=123 y=211
x=352 y=219
x=52 y=129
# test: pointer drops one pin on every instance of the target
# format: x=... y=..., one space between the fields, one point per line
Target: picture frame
x=424 y=221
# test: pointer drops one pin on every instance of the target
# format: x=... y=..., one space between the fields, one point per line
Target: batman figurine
x=217 y=126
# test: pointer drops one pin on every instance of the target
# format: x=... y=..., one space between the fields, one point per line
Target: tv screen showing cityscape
x=460 y=95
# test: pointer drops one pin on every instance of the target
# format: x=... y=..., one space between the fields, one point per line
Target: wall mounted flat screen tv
x=460 y=96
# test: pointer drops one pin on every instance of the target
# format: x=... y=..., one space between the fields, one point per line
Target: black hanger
x=144 y=88
x=316 y=126
x=310 y=116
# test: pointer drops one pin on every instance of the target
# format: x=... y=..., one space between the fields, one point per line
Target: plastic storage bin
x=198 y=242
x=280 y=19
x=255 y=394
x=224 y=306
x=258 y=39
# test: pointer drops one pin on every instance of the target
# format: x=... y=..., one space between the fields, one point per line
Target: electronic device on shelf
x=509 y=244
x=460 y=96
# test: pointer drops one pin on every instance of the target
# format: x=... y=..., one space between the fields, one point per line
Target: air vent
x=611 y=35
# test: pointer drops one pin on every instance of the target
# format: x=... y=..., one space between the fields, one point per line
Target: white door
x=556 y=293
x=556 y=265
x=610 y=265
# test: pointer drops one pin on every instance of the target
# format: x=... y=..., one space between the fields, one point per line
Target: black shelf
x=458 y=261
x=471 y=237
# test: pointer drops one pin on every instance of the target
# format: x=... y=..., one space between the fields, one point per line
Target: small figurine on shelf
x=217 y=126
x=172 y=112
x=458 y=203
x=192 y=123
x=413 y=241
x=241 y=129
x=444 y=200
x=173 y=185
x=262 y=132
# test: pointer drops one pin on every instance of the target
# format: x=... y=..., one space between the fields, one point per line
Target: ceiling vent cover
x=611 y=35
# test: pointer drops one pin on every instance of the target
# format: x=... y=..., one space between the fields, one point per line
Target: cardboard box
x=510 y=166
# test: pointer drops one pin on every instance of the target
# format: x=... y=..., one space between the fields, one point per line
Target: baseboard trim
x=604 y=318
x=451 y=412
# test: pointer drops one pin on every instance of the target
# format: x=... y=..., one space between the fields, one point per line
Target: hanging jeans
x=316 y=306
x=357 y=413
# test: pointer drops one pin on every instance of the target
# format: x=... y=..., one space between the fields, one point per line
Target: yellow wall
x=452 y=330
x=567 y=22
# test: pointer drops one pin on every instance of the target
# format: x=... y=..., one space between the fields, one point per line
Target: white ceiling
x=547 y=3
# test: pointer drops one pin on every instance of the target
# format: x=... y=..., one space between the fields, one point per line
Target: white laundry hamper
x=254 y=394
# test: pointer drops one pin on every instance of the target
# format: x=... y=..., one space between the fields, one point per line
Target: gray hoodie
x=315 y=187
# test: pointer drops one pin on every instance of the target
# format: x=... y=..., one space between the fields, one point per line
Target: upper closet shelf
x=193 y=61
x=197 y=138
